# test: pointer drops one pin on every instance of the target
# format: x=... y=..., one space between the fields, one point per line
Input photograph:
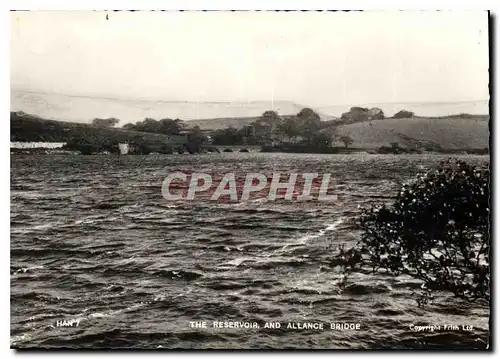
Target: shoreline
x=49 y=152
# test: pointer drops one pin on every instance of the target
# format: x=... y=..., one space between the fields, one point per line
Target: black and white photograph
x=250 y=180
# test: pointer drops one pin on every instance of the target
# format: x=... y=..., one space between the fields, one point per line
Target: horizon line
x=229 y=102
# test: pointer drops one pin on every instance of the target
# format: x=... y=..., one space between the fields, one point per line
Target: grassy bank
x=29 y=128
x=87 y=138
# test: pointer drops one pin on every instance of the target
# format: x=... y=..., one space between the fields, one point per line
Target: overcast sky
x=313 y=58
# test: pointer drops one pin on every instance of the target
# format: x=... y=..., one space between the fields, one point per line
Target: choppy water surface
x=93 y=239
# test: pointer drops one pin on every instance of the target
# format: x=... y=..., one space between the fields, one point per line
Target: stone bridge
x=235 y=148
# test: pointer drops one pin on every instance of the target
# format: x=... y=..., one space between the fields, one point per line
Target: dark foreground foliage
x=437 y=231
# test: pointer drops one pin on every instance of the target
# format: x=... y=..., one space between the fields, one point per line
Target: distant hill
x=83 y=109
x=450 y=132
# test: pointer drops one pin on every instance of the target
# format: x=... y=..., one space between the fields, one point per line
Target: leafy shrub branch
x=437 y=231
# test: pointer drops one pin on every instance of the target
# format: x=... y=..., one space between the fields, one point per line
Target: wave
x=269 y=260
x=112 y=313
x=30 y=269
x=361 y=289
x=308 y=237
x=178 y=274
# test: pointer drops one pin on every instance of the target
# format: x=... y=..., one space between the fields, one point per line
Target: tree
x=321 y=139
x=271 y=116
x=249 y=132
x=360 y=114
x=375 y=113
x=196 y=136
x=346 y=140
x=168 y=126
x=356 y=114
x=309 y=123
x=227 y=137
x=151 y=125
x=129 y=126
x=164 y=126
x=436 y=231
x=266 y=125
x=290 y=127
x=307 y=115
x=105 y=122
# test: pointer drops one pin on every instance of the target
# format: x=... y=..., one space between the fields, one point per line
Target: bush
x=144 y=149
x=110 y=146
x=85 y=145
x=433 y=147
x=358 y=114
x=105 y=122
x=403 y=114
x=193 y=147
x=394 y=149
x=180 y=150
x=166 y=149
x=436 y=231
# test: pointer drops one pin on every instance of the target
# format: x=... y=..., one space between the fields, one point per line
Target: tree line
x=270 y=128
x=304 y=127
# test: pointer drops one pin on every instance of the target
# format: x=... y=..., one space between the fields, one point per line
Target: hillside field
x=449 y=133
